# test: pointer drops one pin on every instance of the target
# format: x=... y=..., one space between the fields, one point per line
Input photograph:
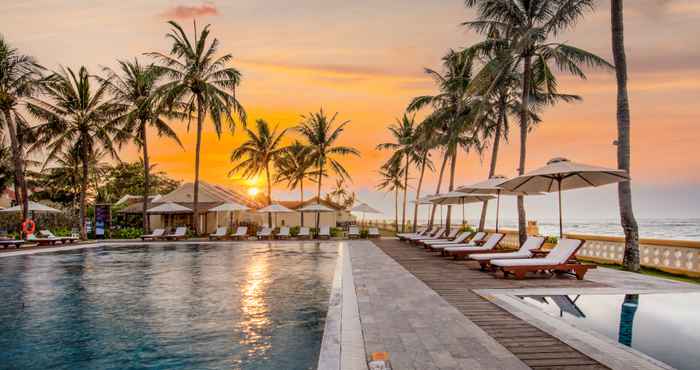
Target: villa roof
x=295 y=204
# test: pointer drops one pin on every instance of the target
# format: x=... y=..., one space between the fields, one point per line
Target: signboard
x=103 y=220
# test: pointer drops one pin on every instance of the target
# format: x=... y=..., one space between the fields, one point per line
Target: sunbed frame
x=571 y=267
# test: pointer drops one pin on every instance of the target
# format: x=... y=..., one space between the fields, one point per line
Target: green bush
x=468 y=228
x=127 y=233
x=364 y=233
x=61 y=231
x=336 y=231
x=294 y=230
x=551 y=239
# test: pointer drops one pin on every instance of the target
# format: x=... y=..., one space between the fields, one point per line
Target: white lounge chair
x=435 y=235
x=265 y=233
x=460 y=238
x=179 y=234
x=531 y=243
x=63 y=239
x=561 y=259
x=324 y=232
x=453 y=234
x=304 y=233
x=462 y=250
x=373 y=232
x=466 y=237
x=241 y=232
x=283 y=233
x=419 y=232
x=42 y=241
x=221 y=233
x=156 y=234
x=353 y=232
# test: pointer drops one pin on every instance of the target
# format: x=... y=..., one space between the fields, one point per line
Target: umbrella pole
x=561 y=227
x=498 y=206
x=462 y=199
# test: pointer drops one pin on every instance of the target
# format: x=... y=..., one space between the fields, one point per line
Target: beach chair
x=561 y=259
x=304 y=233
x=220 y=234
x=42 y=241
x=353 y=232
x=459 y=239
x=156 y=234
x=373 y=232
x=324 y=232
x=179 y=234
x=265 y=233
x=453 y=234
x=525 y=251
x=474 y=241
x=4 y=243
x=241 y=232
x=458 y=251
x=421 y=231
x=283 y=233
x=436 y=235
x=63 y=239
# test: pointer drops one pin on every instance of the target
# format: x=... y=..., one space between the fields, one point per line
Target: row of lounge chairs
x=45 y=238
x=284 y=232
x=159 y=234
x=481 y=247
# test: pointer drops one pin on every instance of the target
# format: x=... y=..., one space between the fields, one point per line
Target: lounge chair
x=458 y=251
x=4 y=243
x=179 y=234
x=156 y=234
x=221 y=233
x=459 y=239
x=436 y=235
x=265 y=233
x=531 y=243
x=421 y=231
x=42 y=241
x=353 y=232
x=561 y=259
x=324 y=232
x=304 y=233
x=474 y=241
x=453 y=234
x=64 y=239
x=241 y=232
x=373 y=232
x=283 y=233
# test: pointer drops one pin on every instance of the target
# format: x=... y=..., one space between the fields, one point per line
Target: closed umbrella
x=314 y=208
x=275 y=208
x=562 y=174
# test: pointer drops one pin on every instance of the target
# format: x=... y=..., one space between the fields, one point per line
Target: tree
x=135 y=87
x=624 y=189
x=19 y=79
x=256 y=154
x=404 y=153
x=293 y=166
x=199 y=83
x=128 y=178
x=529 y=27
x=424 y=144
x=391 y=180
x=321 y=135
x=76 y=116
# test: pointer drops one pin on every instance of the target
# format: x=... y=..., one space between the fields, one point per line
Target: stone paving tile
x=419 y=329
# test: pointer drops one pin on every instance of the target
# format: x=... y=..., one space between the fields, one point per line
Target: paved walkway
x=455 y=281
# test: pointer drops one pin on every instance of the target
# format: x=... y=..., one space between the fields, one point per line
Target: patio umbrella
x=318 y=208
x=455 y=197
x=228 y=207
x=364 y=208
x=33 y=207
x=275 y=208
x=493 y=186
x=562 y=174
x=169 y=208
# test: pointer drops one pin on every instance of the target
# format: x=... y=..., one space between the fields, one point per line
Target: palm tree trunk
x=146 y=177
x=19 y=182
x=405 y=193
x=301 y=199
x=522 y=217
x=453 y=166
x=318 y=192
x=200 y=122
x=269 y=192
x=494 y=159
x=624 y=189
x=83 y=190
x=437 y=190
x=396 y=209
x=418 y=188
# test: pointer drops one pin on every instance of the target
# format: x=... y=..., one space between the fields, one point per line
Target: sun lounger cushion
x=479 y=236
x=557 y=256
x=532 y=242
x=373 y=231
x=459 y=239
x=490 y=244
x=241 y=231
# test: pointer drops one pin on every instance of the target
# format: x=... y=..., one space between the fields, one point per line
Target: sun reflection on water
x=255 y=315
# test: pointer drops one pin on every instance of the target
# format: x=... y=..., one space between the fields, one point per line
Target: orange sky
x=364 y=59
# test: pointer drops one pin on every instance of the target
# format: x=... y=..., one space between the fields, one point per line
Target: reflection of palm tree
x=629 y=308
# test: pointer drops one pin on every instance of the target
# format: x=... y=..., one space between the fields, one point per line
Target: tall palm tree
x=404 y=153
x=530 y=27
x=135 y=87
x=256 y=154
x=201 y=84
x=293 y=166
x=424 y=144
x=321 y=135
x=76 y=116
x=19 y=78
x=624 y=189
x=392 y=180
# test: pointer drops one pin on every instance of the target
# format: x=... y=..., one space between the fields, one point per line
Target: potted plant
x=550 y=242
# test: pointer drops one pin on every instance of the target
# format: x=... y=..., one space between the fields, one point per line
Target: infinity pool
x=663 y=326
x=204 y=306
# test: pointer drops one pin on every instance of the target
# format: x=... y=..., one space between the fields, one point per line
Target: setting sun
x=253 y=191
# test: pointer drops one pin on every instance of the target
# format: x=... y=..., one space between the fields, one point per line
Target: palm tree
x=391 y=180
x=404 y=153
x=256 y=154
x=424 y=144
x=528 y=28
x=293 y=166
x=624 y=189
x=136 y=90
x=199 y=83
x=77 y=117
x=321 y=135
x=19 y=78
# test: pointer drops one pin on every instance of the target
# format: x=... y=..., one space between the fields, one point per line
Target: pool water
x=203 y=306
x=663 y=326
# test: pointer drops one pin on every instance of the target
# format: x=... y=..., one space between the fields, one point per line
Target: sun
x=253 y=191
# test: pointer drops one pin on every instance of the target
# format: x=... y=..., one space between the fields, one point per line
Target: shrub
x=551 y=239
x=467 y=228
x=294 y=230
x=127 y=233
x=364 y=233
x=335 y=231
x=61 y=231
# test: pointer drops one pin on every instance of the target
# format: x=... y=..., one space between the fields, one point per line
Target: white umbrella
x=493 y=186
x=275 y=208
x=228 y=207
x=169 y=208
x=562 y=174
x=364 y=208
x=455 y=197
x=423 y=200
x=316 y=207
x=33 y=207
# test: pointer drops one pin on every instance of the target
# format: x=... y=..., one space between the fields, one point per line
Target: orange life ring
x=28 y=227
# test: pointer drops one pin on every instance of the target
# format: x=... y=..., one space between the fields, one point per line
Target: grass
x=656 y=273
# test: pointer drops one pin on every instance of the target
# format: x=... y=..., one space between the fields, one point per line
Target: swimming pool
x=663 y=326
x=178 y=306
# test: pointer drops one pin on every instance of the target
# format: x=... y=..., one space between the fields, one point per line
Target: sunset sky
x=365 y=60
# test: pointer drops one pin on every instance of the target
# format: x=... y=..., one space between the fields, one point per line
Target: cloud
x=191 y=11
